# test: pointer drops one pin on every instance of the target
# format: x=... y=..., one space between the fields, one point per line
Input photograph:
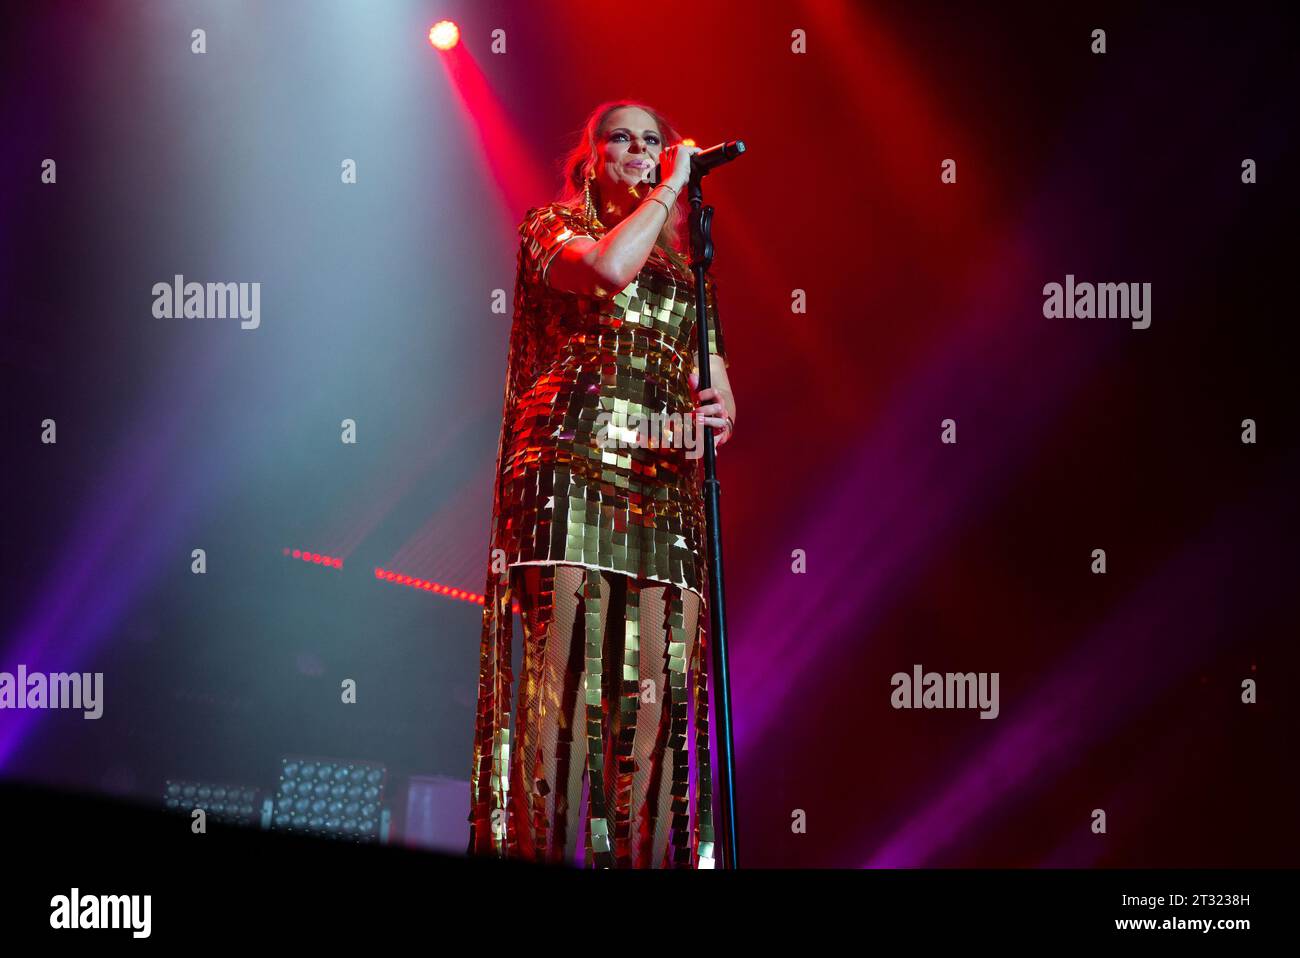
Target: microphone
x=706 y=160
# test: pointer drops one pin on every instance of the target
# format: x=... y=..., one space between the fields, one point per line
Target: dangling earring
x=590 y=209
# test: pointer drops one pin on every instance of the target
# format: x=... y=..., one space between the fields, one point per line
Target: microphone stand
x=701 y=223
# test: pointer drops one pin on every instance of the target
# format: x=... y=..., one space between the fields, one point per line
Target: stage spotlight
x=235 y=804
x=444 y=34
x=332 y=799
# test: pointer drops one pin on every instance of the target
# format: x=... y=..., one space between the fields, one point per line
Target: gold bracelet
x=667 y=187
x=661 y=203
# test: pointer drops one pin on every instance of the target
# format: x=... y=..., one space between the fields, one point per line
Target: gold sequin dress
x=562 y=495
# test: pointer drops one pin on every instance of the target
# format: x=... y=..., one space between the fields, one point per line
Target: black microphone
x=706 y=160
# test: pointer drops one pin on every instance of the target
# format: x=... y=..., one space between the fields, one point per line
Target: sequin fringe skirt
x=494 y=831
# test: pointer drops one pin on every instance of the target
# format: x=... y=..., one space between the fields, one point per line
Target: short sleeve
x=717 y=344
x=544 y=232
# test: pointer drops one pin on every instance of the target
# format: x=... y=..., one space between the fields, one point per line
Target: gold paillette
x=564 y=494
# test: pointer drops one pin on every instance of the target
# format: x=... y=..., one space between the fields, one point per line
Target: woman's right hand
x=675 y=165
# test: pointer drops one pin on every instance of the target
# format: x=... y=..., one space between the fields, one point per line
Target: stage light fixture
x=235 y=804
x=444 y=35
x=335 y=799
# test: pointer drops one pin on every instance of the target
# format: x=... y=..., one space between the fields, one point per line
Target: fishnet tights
x=548 y=764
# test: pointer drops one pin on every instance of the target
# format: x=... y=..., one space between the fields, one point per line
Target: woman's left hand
x=716 y=409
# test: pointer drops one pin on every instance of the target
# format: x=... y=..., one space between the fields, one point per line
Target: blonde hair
x=581 y=162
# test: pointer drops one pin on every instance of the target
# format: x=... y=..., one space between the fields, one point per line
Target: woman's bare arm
x=603 y=267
